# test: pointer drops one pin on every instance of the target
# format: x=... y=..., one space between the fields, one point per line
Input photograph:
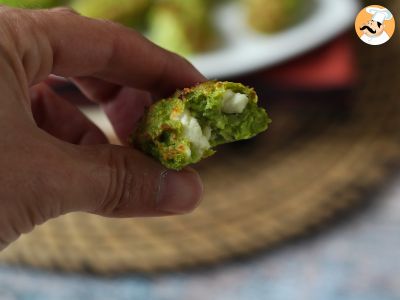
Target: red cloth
x=329 y=67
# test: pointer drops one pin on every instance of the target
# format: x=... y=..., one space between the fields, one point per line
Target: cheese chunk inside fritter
x=234 y=103
x=194 y=133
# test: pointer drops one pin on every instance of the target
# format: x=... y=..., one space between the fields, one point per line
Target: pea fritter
x=182 y=26
x=185 y=128
x=271 y=16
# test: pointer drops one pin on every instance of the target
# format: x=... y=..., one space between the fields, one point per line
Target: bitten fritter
x=185 y=128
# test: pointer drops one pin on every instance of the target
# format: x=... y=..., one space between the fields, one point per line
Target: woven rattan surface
x=257 y=194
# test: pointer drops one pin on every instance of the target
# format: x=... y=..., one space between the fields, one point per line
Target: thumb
x=115 y=181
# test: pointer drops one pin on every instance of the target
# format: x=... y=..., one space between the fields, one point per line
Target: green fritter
x=182 y=26
x=185 y=128
x=271 y=16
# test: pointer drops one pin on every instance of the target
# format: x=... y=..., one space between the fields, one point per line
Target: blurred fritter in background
x=182 y=26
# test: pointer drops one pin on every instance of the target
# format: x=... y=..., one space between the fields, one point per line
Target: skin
x=374 y=26
x=53 y=159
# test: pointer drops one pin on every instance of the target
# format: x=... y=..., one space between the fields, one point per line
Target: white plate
x=246 y=51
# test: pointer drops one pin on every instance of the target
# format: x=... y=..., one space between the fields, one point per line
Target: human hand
x=53 y=159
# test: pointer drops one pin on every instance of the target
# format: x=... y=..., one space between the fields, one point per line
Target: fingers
x=61 y=119
x=55 y=81
x=47 y=178
x=101 y=49
x=120 y=182
x=123 y=106
x=126 y=110
x=97 y=90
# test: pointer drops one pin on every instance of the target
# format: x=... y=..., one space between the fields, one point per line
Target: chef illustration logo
x=375 y=25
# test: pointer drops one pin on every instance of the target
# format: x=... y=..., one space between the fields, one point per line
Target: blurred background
x=308 y=210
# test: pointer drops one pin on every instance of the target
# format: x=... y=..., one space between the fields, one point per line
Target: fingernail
x=179 y=192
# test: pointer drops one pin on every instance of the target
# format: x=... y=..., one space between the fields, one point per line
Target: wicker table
x=356 y=259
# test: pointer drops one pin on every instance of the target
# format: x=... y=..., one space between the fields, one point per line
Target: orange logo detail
x=375 y=25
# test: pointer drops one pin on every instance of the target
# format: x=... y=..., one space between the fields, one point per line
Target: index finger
x=79 y=46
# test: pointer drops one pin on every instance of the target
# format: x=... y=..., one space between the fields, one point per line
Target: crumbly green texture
x=161 y=133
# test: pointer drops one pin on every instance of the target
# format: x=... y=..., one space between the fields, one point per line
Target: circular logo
x=375 y=25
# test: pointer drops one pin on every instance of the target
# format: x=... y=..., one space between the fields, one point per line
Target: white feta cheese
x=234 y=103
x=194 y=133
x=207 y=132
x=188 y=152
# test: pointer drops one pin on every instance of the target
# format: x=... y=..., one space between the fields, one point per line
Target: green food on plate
x=182 y=26
x=128 y=12
x=271 y=15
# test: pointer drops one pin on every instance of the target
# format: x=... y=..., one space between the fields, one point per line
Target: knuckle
x=116 y=44
x=17 y=28
x=126 y=190
x=15 y=19
x=24 y=41
x=111 y=52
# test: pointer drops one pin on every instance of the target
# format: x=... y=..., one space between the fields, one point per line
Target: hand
x=53 y=159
